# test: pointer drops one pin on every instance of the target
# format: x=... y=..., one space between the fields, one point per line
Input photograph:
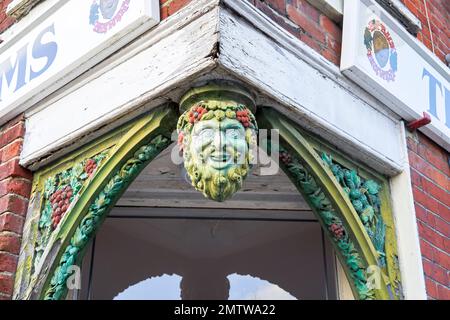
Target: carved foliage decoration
x=364 y=196
x=362 y=231
x=370 y=201
x=322 y=205
x=97 y=211
x=60 y=191
x=73 y=195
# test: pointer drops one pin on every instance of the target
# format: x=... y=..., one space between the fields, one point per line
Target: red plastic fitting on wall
x=418 y=123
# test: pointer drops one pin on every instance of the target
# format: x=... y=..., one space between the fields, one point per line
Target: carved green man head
x=217 y=135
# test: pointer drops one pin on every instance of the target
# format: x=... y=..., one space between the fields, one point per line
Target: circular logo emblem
x=106 y=14
x=381 y=50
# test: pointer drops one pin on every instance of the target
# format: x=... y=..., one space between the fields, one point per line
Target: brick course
x=306 y=23
x=15 y=187
x=439 y=15
x=169 y=7
x=5 y=21
x=430 y=176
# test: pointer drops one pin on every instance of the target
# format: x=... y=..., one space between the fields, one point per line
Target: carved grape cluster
x=243 y=117
x=60 y=201
x=285 y=157
x=196 y=114
x=90 y=166
x=337 y=230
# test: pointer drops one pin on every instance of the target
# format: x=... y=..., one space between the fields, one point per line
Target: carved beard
x=214 y=184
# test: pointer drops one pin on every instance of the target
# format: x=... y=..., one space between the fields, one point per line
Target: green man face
x=218 y=144
x=217 y=139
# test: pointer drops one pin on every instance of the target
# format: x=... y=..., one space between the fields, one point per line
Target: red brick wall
x=430 y=170
x=306 y=23
x=5 y=21
x=169 y=7
x=439 y=14
x=15 y=187
x=430 y=174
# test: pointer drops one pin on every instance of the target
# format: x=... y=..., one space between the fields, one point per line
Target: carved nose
x=219 y=140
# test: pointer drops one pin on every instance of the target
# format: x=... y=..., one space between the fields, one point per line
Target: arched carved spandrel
x=352 y=233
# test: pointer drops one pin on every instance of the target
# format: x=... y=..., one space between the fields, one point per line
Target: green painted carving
x=59 y=192
x=38 y=230
x=321 y=204
x=133 y=146
x=97 y=212
x=364 y=196
x=216 y=135
x=144 y=138
x=319 y=186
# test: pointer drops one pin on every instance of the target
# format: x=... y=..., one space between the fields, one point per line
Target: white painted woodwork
x=409 y=253
x=318 y=102
x=164 y=63
x=18 y=8
x=333 y=9
x=68 y=46
x=410 y=93
x=144 y=77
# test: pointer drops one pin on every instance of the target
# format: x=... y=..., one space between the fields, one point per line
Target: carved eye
x=232 y=133
x=206 y=134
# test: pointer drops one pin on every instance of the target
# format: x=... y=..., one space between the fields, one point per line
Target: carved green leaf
x=327 y=159
x=49 y=186
x=77 y=170
x=322 y=204
x=98 y=158
x=45 y=220
x=365 y=200
x=372 y=187
x=327 y=217
x=368 y=214
x=64 y=177
x=76 y=186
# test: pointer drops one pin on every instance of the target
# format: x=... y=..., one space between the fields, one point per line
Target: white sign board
x=383 y=58
x=75 y=37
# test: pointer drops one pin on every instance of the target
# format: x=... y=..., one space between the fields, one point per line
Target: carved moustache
x=232 y=153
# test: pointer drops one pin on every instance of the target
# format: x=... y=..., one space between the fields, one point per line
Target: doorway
x=163 y=240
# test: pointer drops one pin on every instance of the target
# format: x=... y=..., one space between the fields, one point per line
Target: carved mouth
x=220 y=161
x=220 y=157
